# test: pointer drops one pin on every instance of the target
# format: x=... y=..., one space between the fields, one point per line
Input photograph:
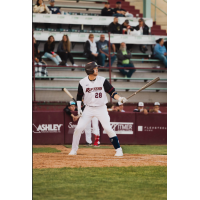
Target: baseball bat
x=145 y=86
x=66 y=91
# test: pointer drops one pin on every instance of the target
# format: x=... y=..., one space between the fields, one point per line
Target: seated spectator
x=110 y=107
x=37 y=54
x=64 y=49
x=53 y=9
x=90 y=49
x=115 y=27
x=155 y=108
x=121 y=107
x=69 y=108
x=160 y=51
x=124 y=57
x=126 y=27
x=107 y=11
x=103 y=48
x=144 y=29
x=140 y=108
x=40 y=7
x=119 y=12
x=49 y=51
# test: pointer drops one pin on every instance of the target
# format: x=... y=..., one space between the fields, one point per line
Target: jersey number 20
x=98 y=95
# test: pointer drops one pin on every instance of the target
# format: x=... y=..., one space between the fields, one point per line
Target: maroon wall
x=151 y=128
x=131 y=128
x=48 y=127
x=124 y=126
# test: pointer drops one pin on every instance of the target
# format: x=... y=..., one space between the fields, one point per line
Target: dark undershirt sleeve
x=80 y=93
x=108 y=87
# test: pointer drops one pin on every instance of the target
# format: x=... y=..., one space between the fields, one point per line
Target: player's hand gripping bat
x=146 y=86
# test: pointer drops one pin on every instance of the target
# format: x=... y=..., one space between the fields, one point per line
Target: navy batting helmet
x=89 y=68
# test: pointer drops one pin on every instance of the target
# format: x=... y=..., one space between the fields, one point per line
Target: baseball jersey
x=94 y=92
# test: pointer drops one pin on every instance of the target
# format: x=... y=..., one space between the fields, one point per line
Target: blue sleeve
x=157 y=49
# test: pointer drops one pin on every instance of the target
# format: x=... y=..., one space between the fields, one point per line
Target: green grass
x=45 y=150
x=91 y=147
x=135 y=149
x=108 y=183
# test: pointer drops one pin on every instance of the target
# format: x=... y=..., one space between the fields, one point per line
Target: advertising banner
x=48 y=127
x=151 y=128
x=124 y=126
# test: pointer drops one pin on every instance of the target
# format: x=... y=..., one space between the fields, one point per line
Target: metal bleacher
x=50 y=88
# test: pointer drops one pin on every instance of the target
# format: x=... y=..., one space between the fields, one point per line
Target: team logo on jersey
x=89 y=90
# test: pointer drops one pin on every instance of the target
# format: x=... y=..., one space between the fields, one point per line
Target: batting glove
x=80 y=113
x=122 y=99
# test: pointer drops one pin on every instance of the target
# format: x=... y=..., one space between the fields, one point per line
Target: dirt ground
x=93 y=158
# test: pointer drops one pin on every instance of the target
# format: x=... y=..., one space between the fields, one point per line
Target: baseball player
x=94 y=88
x=96 y=132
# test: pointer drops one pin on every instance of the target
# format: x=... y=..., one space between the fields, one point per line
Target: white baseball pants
x=101 y=114
x=88 y=132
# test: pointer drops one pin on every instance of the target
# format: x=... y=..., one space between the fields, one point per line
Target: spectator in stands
x=144 y=29
x=119 y=12
x=49 y=51
x=115 y=27
x=107 y=11
x=40 y=7
x=110 y=107
x=37 y=54
x=70 y=108
x=121 y=107
x=155 y=108
x=64 y=49
x=126 y=27
x=53 y=9
x=90 y=50
x=160 y=51
x=103 y=48
x=124 y=57
x=140 y=108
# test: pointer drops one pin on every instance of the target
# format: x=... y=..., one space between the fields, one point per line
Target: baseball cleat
x=88 y=144
x=119 y=152
x=96 y=145
x=72 y=152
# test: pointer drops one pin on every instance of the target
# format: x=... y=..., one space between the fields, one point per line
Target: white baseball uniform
x=95 y=99
x=88 y=132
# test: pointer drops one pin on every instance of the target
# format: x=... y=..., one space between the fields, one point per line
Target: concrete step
x=74 y=83
x=79 y=73
x=150 y=97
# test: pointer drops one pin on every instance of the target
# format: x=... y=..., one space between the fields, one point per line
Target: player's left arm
x=79 y=99
x=111 y=91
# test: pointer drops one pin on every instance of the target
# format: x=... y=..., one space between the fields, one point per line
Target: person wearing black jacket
x=119 y=12
x=91 y=50
x=144 y=31
x=49 y=51
x=64 y=48
x=115 y=27
x=107 y=11
x=126 y=26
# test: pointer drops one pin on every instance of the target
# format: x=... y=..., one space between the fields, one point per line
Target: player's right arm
x=79 y=99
